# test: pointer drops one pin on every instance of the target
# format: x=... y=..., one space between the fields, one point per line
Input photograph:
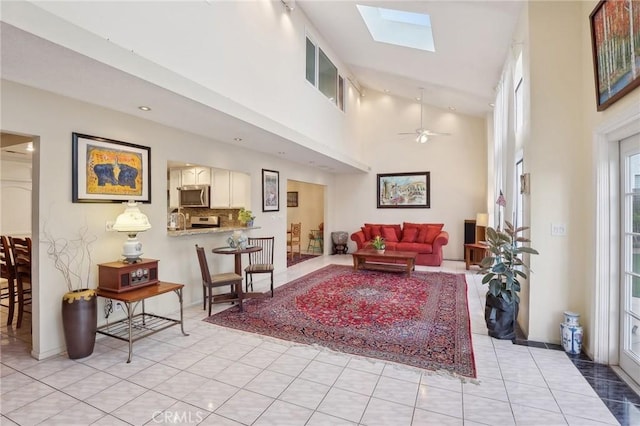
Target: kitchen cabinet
x=196 y=176
x=240 y=190
x=175 y=181
x=230 y=189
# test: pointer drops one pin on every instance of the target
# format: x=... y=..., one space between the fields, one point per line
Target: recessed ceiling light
x=237 y=139
x=387 y=91
x=144 y=108
x=452 y=108
x=418 y=98
x=492 y=105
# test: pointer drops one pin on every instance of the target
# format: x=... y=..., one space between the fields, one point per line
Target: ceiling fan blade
x=430 y=133
x=407 y=133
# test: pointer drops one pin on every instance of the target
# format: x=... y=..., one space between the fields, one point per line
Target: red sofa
x=425 y=238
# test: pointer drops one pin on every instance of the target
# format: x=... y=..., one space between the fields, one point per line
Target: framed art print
x=615 y=36
x=403 y=190
x=270 y=191
x=109 y=171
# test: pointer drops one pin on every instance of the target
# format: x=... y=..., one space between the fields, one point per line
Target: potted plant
x=378 y=244
x=79 y=305
x=246 y=217
x=503 y=268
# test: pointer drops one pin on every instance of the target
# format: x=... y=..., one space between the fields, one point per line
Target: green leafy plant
x=245 y=216
x=504 y=267
x=378 y=243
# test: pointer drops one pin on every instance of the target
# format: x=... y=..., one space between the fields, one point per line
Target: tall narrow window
x=311 y=62
x=327 y=77
x=518 y=95
x=341 y=93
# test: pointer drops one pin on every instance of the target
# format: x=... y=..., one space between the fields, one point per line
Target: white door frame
x=605 y=322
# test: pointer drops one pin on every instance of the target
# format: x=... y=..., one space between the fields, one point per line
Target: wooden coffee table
x=393 y=261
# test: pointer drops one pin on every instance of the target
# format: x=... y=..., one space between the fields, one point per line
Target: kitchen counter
x=201 y=231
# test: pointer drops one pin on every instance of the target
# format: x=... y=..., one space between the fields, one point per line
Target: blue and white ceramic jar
x=571 y=333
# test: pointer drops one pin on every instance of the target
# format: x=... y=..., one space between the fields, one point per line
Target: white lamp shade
x=132 y=220
x=482 y=219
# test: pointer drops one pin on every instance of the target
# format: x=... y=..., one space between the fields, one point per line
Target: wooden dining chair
x=7 y=273
x=209 y=281
x=21 y=255
x=260 y=262
x=293 y=239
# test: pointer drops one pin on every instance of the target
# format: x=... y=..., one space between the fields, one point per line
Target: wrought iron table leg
x=130 y=316
x=179 y=294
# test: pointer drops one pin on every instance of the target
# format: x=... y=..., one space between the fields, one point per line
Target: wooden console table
x=135 y=327
x=474 y=253
x=371 y=259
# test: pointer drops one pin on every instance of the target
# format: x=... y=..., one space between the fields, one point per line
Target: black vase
x=500 y=317
x=80 y=321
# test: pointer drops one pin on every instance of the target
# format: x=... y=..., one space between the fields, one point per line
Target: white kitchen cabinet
x=240 y=190
x=230 y=189
x=175 y=181
x=196 y=176
x=220 y=187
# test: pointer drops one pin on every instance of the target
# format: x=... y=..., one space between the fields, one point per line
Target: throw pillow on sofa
x=389 y=234
x=429 y=233
x=410 y=234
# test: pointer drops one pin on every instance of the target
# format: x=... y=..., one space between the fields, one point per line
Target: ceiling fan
x=422 y=134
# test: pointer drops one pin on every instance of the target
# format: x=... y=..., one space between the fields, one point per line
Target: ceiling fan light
x=422 y=138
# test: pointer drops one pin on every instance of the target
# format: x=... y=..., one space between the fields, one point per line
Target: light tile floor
x=220 y=376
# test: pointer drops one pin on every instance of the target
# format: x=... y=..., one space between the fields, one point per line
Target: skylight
x=398 y=27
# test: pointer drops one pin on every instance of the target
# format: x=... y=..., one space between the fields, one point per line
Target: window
x=518 y=95
x=311 y=62
x=327 y=77
x=321 y=72
x=341 y=93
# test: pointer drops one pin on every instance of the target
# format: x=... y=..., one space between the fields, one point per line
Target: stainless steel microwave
x=195 y=195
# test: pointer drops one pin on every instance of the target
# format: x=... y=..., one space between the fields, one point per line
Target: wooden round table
x=238 y=254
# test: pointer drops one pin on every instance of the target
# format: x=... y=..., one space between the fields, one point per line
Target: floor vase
x=80 y=321
x=500 y=317
x=571 y=333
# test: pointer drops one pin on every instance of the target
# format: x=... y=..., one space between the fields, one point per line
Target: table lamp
x=482 y=221
x=132 y=221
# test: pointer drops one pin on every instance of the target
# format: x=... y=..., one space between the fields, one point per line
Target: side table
x=137 y=326
x=474 y=253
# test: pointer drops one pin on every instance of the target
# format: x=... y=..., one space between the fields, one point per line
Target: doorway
x=16 y=198
x=305 y=205
x=629 y=344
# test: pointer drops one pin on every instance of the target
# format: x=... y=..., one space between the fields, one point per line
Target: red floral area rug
x=422 y=321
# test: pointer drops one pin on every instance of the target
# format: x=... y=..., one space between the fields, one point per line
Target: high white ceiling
x=472 y=39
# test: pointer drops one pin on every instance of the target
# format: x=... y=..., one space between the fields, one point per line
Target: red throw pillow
x=376 y=230
x=389 y=234
x=409 y=234
x=367 y=233
x=432 y=232
x=422 y=234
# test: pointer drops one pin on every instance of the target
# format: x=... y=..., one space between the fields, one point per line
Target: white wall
x=245 y=57
x=457 y=164
x=557 y=142
x=53 y=118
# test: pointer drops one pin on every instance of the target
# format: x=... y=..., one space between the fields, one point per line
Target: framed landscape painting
x=270 y=191
x=109 y=171
x=404 y=190
x=615 y=41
